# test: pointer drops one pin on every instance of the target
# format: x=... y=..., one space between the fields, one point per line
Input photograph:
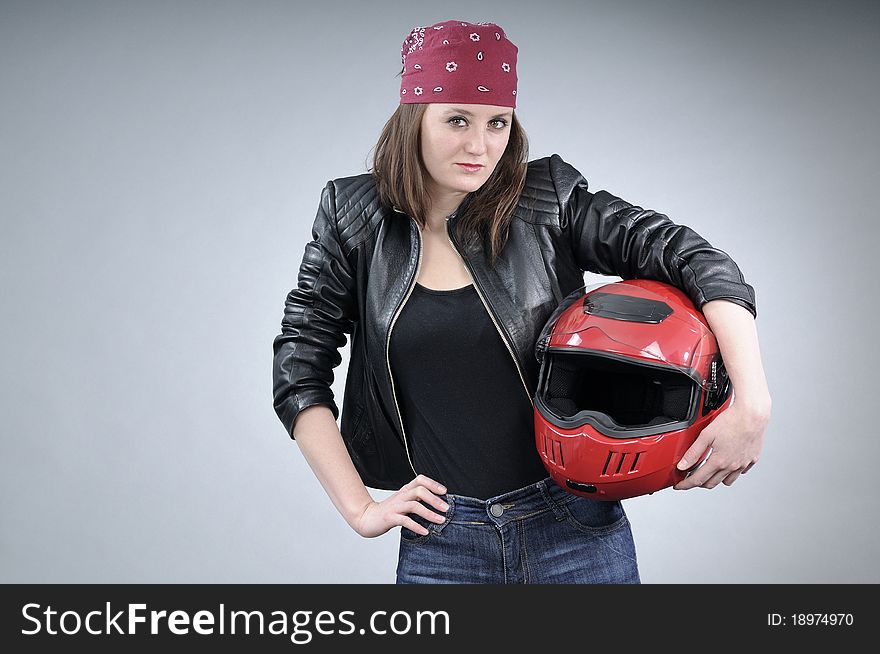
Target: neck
x=441 y=209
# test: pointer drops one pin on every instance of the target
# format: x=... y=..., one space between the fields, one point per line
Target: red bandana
x=456 y=61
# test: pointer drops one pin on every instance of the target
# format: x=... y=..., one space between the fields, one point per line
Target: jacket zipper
x=388 y=348
x=490 y=312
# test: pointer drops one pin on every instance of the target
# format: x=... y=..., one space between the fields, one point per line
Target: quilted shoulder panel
x=549 y=183
x=357 y=207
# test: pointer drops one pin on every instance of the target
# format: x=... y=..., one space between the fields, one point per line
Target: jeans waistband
x=504 y=508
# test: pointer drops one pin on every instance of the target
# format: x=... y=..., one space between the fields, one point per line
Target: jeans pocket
x=409 y=536
x=595 y=516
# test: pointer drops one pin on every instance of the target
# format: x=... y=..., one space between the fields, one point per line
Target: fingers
x=693 y=480
x=422 y=510
x=716 y=479
x=418 y=495
x=711 y=473
x=700 y=472
x=424 y=488
x=695 y=452
x=413 y=526
x=732 y=477
x=428 y=483
x=416 y=507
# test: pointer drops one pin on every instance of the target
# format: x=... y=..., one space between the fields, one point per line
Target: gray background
x=160 y=168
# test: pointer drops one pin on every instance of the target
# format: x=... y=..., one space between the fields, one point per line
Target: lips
x=472 y=168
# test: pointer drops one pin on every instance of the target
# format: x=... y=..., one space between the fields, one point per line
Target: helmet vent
x=635 y=463
x=620 y=463
x=625 y=307
x=552 y=450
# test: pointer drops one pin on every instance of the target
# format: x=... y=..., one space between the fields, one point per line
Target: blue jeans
x=540 y=534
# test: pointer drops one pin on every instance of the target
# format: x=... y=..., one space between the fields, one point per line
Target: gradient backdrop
x=161 y=165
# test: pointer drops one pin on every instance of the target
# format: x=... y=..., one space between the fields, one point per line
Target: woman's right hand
x=378 y=517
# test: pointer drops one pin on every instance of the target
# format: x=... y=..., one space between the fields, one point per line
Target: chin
x=473 y=183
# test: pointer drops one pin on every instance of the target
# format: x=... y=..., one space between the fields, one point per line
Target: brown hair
x=400 y=178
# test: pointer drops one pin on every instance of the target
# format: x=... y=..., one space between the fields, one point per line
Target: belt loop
x=557 y=509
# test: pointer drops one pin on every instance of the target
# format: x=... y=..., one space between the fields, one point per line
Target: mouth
x=471 y=168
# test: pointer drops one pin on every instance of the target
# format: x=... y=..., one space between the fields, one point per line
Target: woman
x=443 y=264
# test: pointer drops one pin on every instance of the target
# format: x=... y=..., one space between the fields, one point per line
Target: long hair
x=400 y=176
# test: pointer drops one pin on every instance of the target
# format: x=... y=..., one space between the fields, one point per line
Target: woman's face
x=455 y=134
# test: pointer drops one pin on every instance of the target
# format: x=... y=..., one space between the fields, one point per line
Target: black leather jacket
x=361 y=267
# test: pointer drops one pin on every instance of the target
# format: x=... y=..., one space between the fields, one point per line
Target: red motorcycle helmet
x=630 y=375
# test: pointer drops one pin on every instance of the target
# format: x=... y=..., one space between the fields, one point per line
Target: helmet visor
x=634 y=325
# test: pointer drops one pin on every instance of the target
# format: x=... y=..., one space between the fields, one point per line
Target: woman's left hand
x=736 y=437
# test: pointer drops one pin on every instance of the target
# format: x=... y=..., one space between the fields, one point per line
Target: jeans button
x=496 y=510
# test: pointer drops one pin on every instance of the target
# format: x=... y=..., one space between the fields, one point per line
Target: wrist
x=755 y=407
x=353 y=515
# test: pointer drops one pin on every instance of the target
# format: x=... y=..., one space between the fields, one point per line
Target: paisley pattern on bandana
x=412 y=43
x=459 y=62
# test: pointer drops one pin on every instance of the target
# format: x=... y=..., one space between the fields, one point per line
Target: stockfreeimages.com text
x=301 y=626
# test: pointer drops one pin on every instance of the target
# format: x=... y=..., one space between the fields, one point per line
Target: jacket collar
x=462 y=206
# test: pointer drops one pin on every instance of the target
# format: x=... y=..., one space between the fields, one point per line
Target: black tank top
x=469 y=423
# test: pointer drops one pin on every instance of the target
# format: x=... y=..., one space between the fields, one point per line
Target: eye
x=500 y=123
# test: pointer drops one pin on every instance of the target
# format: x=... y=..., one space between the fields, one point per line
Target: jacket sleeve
x=610 y=236
x=317 y=315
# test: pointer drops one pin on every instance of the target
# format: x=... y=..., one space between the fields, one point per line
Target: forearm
x=320 y=441
x=737 y=336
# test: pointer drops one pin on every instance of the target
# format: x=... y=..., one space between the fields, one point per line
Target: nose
x=476 y=142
